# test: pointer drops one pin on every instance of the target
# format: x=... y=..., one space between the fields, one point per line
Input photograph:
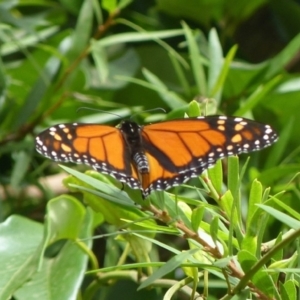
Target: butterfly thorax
x=132 y=136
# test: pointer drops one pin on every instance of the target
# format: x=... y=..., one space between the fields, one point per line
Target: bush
x=231 y=233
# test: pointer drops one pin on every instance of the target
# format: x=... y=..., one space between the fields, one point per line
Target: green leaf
x=82 y=33
x=234 y=179
x=22 y=162
x=215 y=175
x=259 y=94
x=100 y=58
x=254 y=199
x=254 y=217
x=65 y=217
x=261 y=279
x=277 y=63
x=194 y=109
x=109 y=5
x=214 y=228
x=168 y=267
x=217 y=88
x=170 y=98
x=197 y=216
x=19 y=255
x=216 y=61
x=277 y=150
x=289 y=221
x=196 y=60
x=243 y=295
x=60 y=275
x=138 y=37
x=288 y=290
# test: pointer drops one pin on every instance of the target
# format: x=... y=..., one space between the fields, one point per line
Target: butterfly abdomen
x=141 y=162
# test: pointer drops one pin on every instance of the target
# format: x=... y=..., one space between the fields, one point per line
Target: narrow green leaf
x=234 y=178
x=23 y=42
x=108 y=190
x=180 y=74
x=214 y=228
x=215 y=175
x=254 y=199
x=216 y=60
x=289 y=221
x=277 y=150
x=138 y=37
x=287 y=208
x=20 y=168
x=100 y=58
x=197 y=216
x=195 y=57
x=124 y=3
x=279 y=62
x=227 y=204
x=254 y=217
x=83 y=28
x=170 y=98
x=169 y=266
x=217 y=88
x=257 y=96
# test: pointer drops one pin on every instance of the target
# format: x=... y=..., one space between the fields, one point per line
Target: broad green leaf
x=288 y=290
x=19 y=253
x=61 y=275
x=65 y=217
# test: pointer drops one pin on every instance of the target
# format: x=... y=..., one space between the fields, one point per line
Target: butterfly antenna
x=148 y=110
x=99 y=110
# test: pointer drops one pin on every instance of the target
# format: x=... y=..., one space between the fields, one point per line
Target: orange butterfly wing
x=166 y=154
x=99 y=146
x=180 y=149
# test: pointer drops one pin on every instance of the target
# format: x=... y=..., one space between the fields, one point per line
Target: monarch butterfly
x=156 y=156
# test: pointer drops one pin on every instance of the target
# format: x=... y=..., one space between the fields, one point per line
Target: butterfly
x=155 y=156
